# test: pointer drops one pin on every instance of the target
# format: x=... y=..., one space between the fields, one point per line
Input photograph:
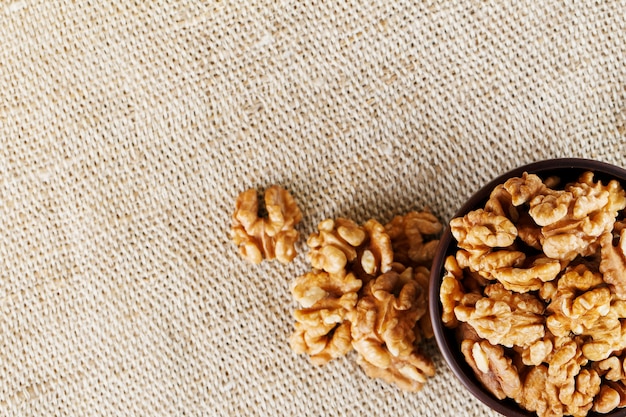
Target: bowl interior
x=568 y=170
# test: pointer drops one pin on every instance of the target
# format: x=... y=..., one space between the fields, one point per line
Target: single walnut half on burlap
x=386 y=314
x=414 y=242
x=272 y=237
x=322 y=329
x=342 y=245
x=376 y=256
x=384 y=330
x=335 y=244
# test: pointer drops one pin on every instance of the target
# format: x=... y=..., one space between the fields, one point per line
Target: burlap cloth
x=128 y=129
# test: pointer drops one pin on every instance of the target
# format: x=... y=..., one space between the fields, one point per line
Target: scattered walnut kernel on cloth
x=266 y=238
x=368 y=291
x=538 y=286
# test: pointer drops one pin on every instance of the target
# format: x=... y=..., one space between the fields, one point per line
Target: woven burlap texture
x=127 y=129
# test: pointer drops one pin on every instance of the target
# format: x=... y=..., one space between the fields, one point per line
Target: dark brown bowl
x=568 y=169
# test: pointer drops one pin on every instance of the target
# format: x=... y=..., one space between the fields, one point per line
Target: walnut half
x=322 y=329
x=271 y=237
x=493 y=368
x=384 y=330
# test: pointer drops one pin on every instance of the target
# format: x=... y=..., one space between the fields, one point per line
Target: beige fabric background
x=128 y=129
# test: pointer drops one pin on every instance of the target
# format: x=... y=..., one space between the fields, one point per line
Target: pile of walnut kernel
x=537 y=294
x=368 y=291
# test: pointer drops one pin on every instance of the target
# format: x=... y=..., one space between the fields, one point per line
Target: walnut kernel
x=322 y=329
x=505 y=317
x=613 y=263
x=493 y=368
x=383 y=329
x=271 y=237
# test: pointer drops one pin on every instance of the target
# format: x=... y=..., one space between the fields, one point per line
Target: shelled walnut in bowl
x=528 y=291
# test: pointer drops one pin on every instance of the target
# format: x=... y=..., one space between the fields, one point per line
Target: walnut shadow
x=568 y=169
